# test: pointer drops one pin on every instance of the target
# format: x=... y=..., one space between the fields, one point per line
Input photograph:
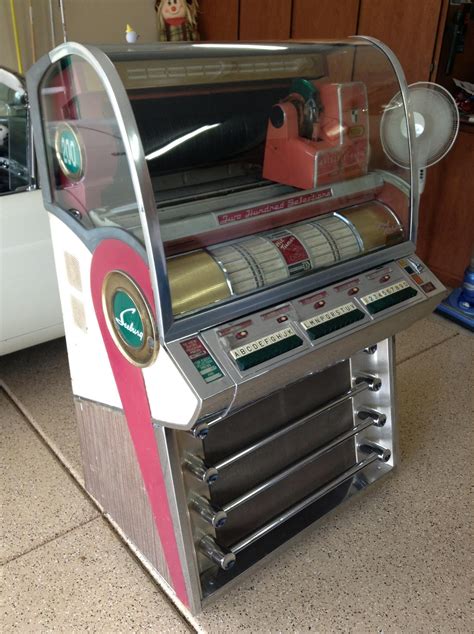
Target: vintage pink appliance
x=319 y=134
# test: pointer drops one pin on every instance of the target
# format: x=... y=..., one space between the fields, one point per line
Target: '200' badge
x=69 y=152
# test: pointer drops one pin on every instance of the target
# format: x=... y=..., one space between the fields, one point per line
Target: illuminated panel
x=388 y=296
x=255 y=352
x=193 y=71
x=332 y=320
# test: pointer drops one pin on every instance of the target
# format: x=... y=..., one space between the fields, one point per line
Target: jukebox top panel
x=265 y=162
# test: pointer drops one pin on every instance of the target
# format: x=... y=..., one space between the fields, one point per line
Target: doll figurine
x=177 y=20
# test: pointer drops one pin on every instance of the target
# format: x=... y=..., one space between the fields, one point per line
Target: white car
x=30 y=311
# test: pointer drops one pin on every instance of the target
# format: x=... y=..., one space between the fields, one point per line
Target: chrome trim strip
x=282 y=475
x=33 y=77
x=230 y=310
x=31 y=158
x=394 y=427
x=339 y=105
x=414 y=168
x=243 y=544
x=226 y=462
x=173 y=476
x=313 y=359
x=225 y=272
x=114 y=88
x=356 y=234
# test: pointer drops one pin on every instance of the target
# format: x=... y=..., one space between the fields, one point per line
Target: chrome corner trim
x=173 y=477
x=33 y=78
x=394 y=406
x=114 y=88
x=397 y=67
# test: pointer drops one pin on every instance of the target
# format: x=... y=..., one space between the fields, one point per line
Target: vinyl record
x=436 y=121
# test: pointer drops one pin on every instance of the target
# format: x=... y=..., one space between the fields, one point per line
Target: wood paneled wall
x=219 y=20
x=324 y=18
x=446 y=231
x=277 y=19
x=413 y=29
x=409 y=27
x=265 y=19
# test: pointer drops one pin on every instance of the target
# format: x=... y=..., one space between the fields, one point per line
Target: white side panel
x=171 y=398
x=91 y=373
x=29 y=298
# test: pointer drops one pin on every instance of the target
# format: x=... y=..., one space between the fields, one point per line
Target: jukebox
x=235 y=250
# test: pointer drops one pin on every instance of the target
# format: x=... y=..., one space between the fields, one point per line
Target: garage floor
x=396 y=559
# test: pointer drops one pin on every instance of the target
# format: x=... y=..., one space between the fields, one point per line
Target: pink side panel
x=115 y=255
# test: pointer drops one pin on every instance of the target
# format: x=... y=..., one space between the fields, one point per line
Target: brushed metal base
x=268 y=518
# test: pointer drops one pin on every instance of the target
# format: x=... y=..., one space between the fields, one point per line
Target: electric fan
x=436 y=120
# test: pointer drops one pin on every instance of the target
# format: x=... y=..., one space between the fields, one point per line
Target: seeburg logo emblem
x=129 y=326
x=130 y=319
x=127 y=319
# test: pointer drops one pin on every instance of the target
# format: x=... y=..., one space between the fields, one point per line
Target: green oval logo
x=69 y=152
x=127 y=319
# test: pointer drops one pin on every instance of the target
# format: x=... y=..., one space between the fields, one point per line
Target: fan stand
x=421 y=179
x=459 y=305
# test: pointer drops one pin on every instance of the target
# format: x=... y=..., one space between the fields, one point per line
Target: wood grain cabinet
x=265 y=19
x=446 y=231
x=219 y=20
x=408 y=27
x=324 y=18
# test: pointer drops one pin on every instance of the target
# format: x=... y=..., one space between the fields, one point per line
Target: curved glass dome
x=238 y=167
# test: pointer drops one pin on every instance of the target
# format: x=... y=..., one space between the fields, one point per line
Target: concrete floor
x=396 y=559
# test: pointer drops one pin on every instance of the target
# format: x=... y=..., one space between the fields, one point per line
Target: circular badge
x=129 y=319
x=69 y=151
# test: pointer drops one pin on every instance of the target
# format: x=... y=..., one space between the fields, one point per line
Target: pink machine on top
x=318 y=135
